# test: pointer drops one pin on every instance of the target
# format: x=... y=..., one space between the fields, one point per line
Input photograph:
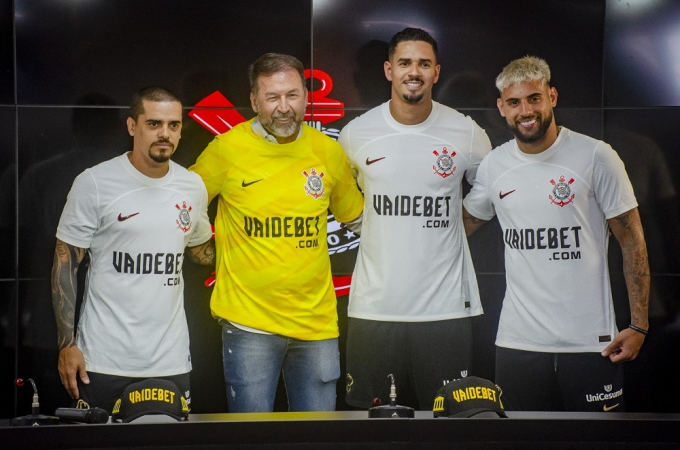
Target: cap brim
x=477 y=412
x=150 y=413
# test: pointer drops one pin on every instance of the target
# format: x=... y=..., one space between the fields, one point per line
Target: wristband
x=638 y=329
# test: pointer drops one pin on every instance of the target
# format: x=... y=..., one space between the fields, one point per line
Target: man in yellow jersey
x=276 y=178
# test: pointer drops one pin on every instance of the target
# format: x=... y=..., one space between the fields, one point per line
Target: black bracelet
x=638 y=329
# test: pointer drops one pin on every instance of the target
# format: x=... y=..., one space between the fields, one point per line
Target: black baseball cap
x=150 y=396
x=469 y=397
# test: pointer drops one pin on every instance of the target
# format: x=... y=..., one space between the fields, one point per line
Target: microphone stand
x=392 y=410
x=35 y=418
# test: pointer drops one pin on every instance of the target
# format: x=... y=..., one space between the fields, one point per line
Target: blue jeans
x=253 y=362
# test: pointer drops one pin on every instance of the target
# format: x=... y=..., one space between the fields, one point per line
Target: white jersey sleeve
x=345 y=142
x=478 y=201
x=80 y=217
x=203 y=230
x=480 y=146
x=612 y=187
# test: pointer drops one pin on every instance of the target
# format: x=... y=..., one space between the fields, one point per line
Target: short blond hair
x=529 y=68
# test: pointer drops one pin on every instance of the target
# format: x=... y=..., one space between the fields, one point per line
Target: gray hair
x=529 y=68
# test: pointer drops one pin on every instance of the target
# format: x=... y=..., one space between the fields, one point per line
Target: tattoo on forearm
x=635 y=265
x=203 y=254
x=64 y=287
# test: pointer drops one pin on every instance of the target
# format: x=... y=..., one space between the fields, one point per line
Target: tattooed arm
x=64 y=286
x=627 y=229
x=203 y=254
x=471 y=223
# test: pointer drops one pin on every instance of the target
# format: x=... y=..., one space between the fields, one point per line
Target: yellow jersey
x=273 y=269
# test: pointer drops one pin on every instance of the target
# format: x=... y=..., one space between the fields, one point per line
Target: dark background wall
x=68 y=69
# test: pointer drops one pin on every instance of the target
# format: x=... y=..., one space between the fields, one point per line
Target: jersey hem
x=549 y=349
x=436 y=318
x=135 y=374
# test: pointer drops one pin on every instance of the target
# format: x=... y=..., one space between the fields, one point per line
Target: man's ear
x=388 y=70
x=131 y=126
x=499 y=104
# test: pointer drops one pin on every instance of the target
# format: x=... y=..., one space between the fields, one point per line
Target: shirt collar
x=259 y=129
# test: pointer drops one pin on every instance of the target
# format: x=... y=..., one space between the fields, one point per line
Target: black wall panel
x=642 y=53
x=6 y=53
x=78 y=63
x=66 y=50
x=475 y=39
x=8 y=346
x=8 y=176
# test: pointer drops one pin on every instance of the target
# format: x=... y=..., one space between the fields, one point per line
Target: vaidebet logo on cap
x=469 y=397
x=152 y=396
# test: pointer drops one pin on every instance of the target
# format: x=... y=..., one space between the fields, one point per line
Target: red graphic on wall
x=218 y=115
x=332 y=109
x=220 y=118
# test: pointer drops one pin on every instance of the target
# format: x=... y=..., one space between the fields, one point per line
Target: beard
x=162 y=156
x=278 y=129
x=412 y=97
x=543 y=125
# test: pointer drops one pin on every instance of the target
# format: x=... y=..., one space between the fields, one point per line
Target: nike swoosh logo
x=244 y=184
x=502 y=195
x=122 y=218
x=609 y=408
x=371 y=161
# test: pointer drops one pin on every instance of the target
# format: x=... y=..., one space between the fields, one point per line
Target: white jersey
x=414 y=263
x=136 y=228
x=553 y=208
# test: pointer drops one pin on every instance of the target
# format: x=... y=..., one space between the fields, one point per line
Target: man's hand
x=72 y=363
x=625 y=346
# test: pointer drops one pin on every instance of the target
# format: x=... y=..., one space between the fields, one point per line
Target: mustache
x=418 y=79
x=164 y=141
x=288 y=115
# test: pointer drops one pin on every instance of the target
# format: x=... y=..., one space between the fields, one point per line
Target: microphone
x=393 y=391
x=92 y=415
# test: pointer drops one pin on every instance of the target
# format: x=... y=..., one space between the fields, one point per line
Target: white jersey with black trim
x=136 y=229
x=553 y=208
x=414 y=263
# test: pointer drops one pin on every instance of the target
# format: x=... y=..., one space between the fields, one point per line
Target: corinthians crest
x=184 y=219
x=444 y=166
x=314 y=183
x=561 y=193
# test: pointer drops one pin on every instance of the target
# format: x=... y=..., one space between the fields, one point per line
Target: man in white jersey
x=557 y=195
x=414 y=289
x=133 y=215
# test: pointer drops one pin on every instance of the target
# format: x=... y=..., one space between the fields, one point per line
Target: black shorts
x=104 y=389
x=536 y=381
x=422 y=356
